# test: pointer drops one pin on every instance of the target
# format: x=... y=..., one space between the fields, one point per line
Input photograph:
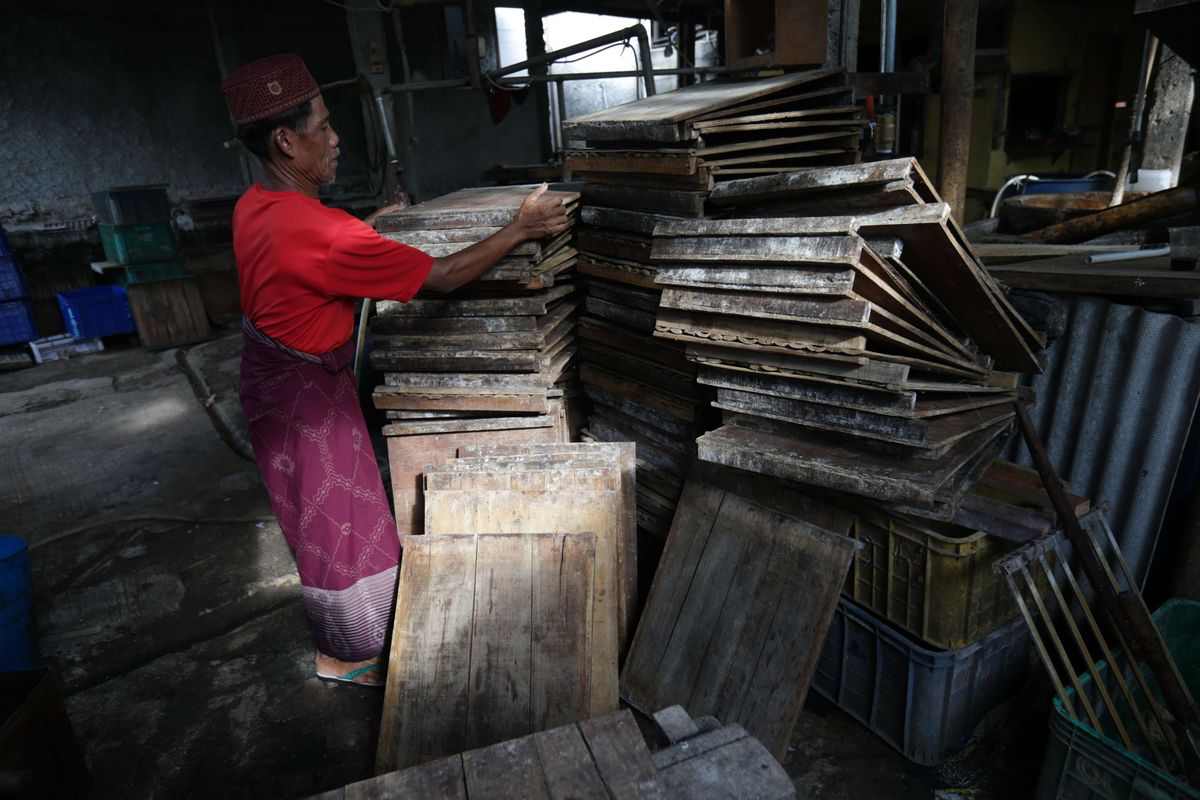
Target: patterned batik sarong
x=315 y=455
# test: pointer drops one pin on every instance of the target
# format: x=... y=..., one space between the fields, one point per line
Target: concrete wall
x=122 y=92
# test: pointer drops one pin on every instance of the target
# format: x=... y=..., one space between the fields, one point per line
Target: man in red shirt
x=301 y=267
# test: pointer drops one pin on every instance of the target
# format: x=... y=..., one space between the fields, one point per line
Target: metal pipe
x=1129 y=255
x=633 y=31
x=423 y=86
x=557 y=77
x=958 y=89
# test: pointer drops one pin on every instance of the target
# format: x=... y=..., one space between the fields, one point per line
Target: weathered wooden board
x=879 y=177
x=412 y=446
x=921 y=483
x=629 y=273
x=631 y=297
x=761 y=249
x=647 y=162
x=387 y=322
x=658 y=118
x=812 y=113
x=489 y=206
x=483 y=382
x=877 y=372
x=458 y=512
x=624 y=246
x=648 y=348
x=493 y=639
x=676 y=381
x=679 y=407
x=626 y=460
x=620 y=314
x=662 y=449
x=739 y=606
x=723 y=763
x=397 y=398
x=755 y=226
x=836 y=92
x=478 y=305
x=678 y=202
x=622 y=219
x=928 y=437
x=933 y=252
x=779 y=127
x=545 y=330
x=722 y=329
x=168 y=313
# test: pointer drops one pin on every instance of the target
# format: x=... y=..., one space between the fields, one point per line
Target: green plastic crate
x=158 y=271
x=1081 y=764
x=136 y=244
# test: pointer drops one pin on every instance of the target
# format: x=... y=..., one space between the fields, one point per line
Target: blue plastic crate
x=922 y=701
x=12 y=282
x=16 y=322
x=97 y=311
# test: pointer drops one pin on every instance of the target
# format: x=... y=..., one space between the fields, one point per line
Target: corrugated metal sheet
x=1114 y=407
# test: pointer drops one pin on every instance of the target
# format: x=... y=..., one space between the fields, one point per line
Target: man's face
x=316 y=152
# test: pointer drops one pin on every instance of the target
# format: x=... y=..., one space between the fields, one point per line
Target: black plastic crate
x=132 y=205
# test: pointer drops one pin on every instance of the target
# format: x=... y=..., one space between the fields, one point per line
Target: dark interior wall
x=119 y=92
x=107 y=93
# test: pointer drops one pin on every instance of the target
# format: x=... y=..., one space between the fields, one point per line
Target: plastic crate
x=931 y=579
x=132 y=205
x=159 y=271
x=1081 y=764
x=922 y=702
x=134 y=244
x=96 y=311
x=52 y=348
x=12 y=282
x=16 y=322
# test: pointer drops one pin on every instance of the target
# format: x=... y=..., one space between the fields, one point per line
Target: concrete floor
x=168 y=606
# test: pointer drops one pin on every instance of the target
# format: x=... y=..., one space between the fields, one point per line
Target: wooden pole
x=958 y=87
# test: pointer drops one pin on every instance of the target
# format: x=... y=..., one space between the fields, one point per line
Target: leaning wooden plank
x=615 y=394
x=389 y=321
x=811 y=388
x=625 y=246
x=619 y=314
x=626 y=459
x=869 y=371
x=743 y=649
x=605 y=334
x=414 y=445
x=634 y=298
x=754 y=226
x=497 y=624
x=658 y=118
x=783 y=127
x=630 y=273
x=468 y=512
x=646 y=162
x=675 y=381
x=760 y=249
x=836 y=112
x=834 y=465
x=838 y=93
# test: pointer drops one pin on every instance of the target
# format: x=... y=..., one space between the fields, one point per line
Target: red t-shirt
x=302 y=265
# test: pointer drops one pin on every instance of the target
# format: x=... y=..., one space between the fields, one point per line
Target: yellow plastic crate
x=933 y=580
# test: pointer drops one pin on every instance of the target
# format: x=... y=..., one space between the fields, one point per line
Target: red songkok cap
x=268 y=87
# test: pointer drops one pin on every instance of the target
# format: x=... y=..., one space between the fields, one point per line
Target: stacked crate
x=656 y=160
x=492 y=363
x=139 y=245
x=16 y=311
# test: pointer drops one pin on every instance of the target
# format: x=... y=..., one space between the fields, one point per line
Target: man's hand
x=383 y=212
x=541 y=216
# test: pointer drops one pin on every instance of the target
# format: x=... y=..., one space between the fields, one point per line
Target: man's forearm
x=455 y=270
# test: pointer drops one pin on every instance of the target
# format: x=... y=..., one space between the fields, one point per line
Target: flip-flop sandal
x=351 y=675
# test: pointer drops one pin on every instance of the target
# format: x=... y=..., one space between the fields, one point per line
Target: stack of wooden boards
x=491 y=362
x=852 y=337
x=657 y=159
x=514 y=606
x=601 y=757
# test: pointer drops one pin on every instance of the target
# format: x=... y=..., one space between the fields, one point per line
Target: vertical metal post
x=958 y=88
x=647 y=60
